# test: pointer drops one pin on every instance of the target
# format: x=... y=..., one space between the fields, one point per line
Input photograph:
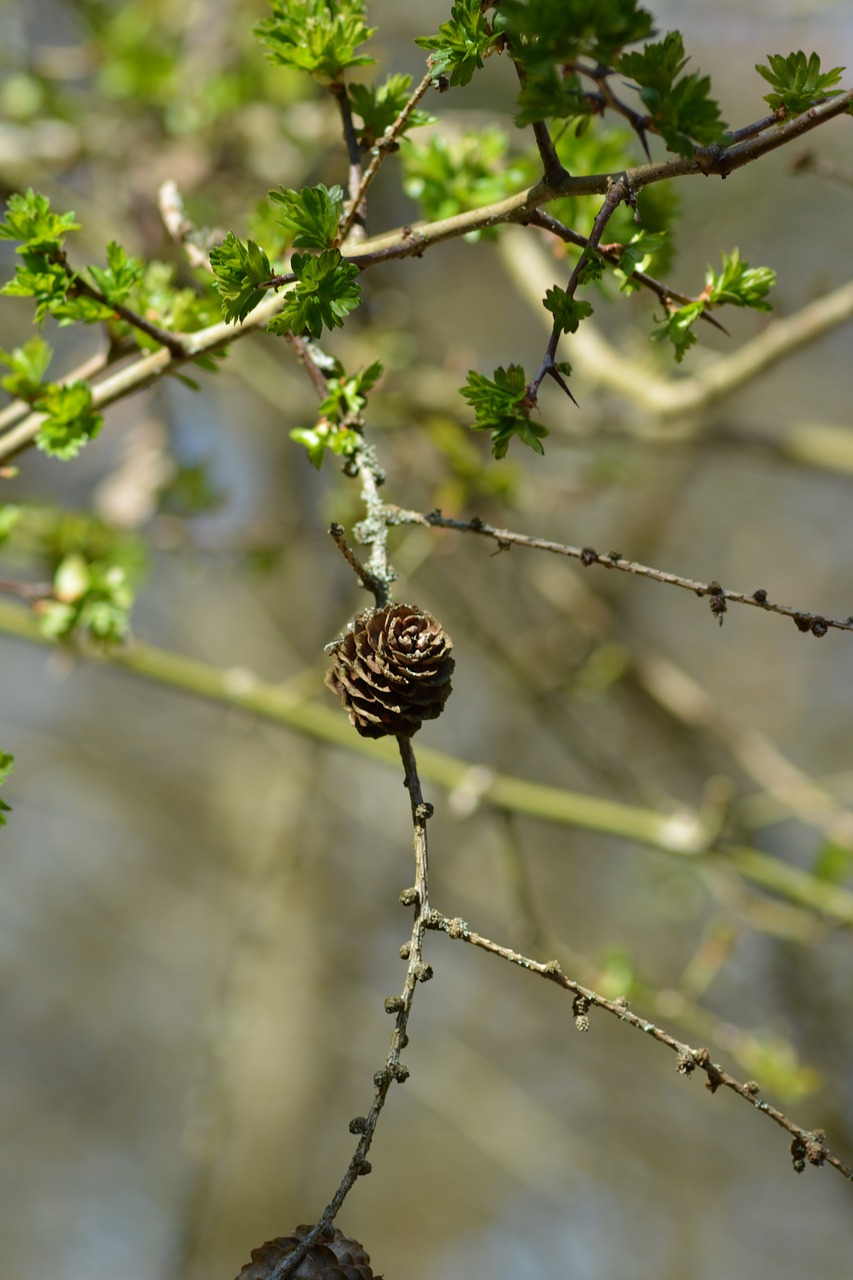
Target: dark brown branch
x=806 y=1145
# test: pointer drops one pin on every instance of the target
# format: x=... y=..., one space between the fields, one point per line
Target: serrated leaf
x=740 y=285
x=314 y=214
x=70 y=423
x=29 y=219
x=679 y=109
x=323 y=296
x=315 y=36
x=121 y=276
x=500 y=406
x=462 y=42
x=28 y=365
x=567 y=312
x=560 y=31
x=239 y=272
x=378 y=106
x=797 y=81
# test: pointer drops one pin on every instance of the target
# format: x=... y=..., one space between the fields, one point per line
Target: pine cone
x=336 y=1258
x=392 y=670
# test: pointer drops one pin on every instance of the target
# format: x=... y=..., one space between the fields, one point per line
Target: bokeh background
x=200 y=916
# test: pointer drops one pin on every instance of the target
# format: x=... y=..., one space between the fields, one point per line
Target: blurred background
x=200 y=916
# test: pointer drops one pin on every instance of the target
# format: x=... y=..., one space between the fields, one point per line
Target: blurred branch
x=806 y=1145
x=682 y=833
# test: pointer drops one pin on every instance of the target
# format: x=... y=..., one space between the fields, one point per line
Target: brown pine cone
x=336 y=1258
x=392 y=670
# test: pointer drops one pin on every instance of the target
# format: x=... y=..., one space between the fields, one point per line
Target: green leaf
x=7 y=764
x=549 y=32
x=313 y=441
x=70 y=422
x=461 y=44
x=38 y=276
x=678 y=327
x=450 y=175
x=347 y=396
x=239 y=272
x=737 y=285
x=679 y=109
x=378 y=106
x=740 y=285
x=567 y=312
x=121 y=276
x=797 y=81
x=638 y=255
x=501 y=406
x=28 y=218
x=316 y=36
x=28 y=365
x=324 y=294
x=313 y=213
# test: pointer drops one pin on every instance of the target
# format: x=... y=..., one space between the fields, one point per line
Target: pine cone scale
x=392 y=670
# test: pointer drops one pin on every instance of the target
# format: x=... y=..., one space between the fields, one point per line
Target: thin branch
x=393 y=1071
x=185 y=234
x=382 y=148
x=79 y=286
x=806 y=1145
x=617 y=192
x=718 y=596
x=367 y=579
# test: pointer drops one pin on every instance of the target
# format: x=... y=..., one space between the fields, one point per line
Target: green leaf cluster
x=462 y=42
x=91 y=598
x=797 y=81
x=44 y=274
x=548 y=37
x=547 y=32
x=323 y=296
x=378 y=106
x=449 y=175
x=315 y=36
x=30 y=220
x=7 y=764
x=338 y=412
x=28 y=365
x=312 y=214
x=737 y=285
x=69 y=421
x=121 y=276
x=567 y=312
x=680 y=109
x=241 y=272
x=638 y=255
x=501 y=406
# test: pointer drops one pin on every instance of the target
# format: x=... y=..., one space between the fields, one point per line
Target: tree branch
x=806 y=1145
